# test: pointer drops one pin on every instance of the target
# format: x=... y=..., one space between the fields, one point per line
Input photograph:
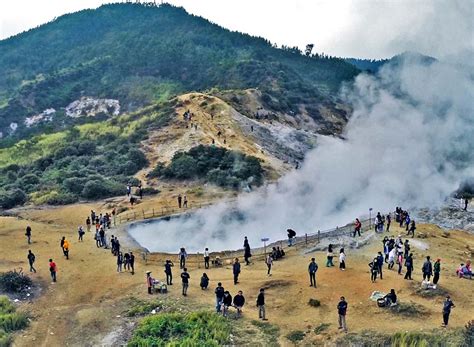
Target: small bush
x=142 y=308
x=408 y=309
x=172 y=329
x=321 y=327
x=12 y=198
x=314 y=302
x=13 y=321
x=296 y=336
x=14 y=282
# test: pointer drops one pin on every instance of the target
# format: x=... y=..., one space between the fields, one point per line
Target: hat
x=148 y=272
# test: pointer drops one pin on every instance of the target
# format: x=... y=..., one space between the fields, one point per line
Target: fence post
x=319 y=235
x=306 y=238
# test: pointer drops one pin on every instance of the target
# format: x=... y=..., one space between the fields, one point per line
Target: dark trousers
x=206 y=262
x=32 y=268
x=373 y=276
x=149 y=290
x=436 y=278
x=388 y=227
x=408 y=274
x=246 y=260
x=380 y=270
x=53 y=276
x=269 y=266
x=182 y=262
x=169 y=279
x=236 y=278
x=446 y=318
x=312 y=279
x=400 y=269
x=356 y=231
x=426 y=276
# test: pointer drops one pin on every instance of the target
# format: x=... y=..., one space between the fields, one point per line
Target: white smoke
x=409 y=143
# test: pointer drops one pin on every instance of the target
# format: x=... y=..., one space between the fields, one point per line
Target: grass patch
x=409 y=309
x=321 y=328
x=314 y=302
x=429 y=293
x=10 y=321
x=270 y=332
x=142 y=308
x=296 y=336
x=199 y=328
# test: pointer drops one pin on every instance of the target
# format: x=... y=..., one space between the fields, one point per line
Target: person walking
x=247 y=253
x=126 y=261
x=236 y=270
x=169 y=275
x=88 y=224
x=53 y=269
x=373 y=270
x=149 y=282
x=239 y=302
x=65 y=247
x=342 y=310
x=179 y=200
x=357 y=227
x=28 y=234
x=291 y=234
x=312 y=268
x=269 y=262
x=182 y=255
x=448 y=304
x=427 y=269
x=411 y=229
x=400 y=262
x=206 y=258
x=185 y=281
x=406 y=248
x=409 y=266
x=261 y=304
x=342 y=260
x=185 y=201
x=436 y=271
x=219 y=291
x=31 y=260
x=380 y=261
x=329 y=256
x=80 y=232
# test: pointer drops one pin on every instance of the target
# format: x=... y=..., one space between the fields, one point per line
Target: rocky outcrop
x=45 y=116
x=450 y=216
x=90 y=107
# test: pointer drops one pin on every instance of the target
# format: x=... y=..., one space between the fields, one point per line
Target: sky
x=358 y=28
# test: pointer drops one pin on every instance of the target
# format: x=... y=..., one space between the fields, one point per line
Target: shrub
x=321 y=327
x=295 y=336
x=192 y=329
x=314 y=302
x=14 y=282
x=98 y=189
x=12 y=198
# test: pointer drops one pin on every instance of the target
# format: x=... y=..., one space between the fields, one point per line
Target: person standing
x=373 y=270
x=330 y=256
x=80 y=232
x=28 y=234
x=149 y=282
x=88 y=224
x=126 y=261
x=206 y=258
x=247 y=253
x=342 y=310
x=388 y=219
x=219 y=291
x=179 y=200
x=239 y=302
x=406 y=247
x=380 y=262
x=169 y=275
x=53 y=269
x=132 y=262
x=357 y=227
x=427 y=269
x=342 y=260
x=448 y=304
x=466 y=202
x=269 y=262
x=236 y=270
x=409 y=266
x=182 y=255
x=436 y=271
x=119 y=261
x=185 y=281
x=291 y=234
x=312 y=268
x=261 y=304
x=412 y=229
x=400 y=262
x=31 y=260
x=185 y=201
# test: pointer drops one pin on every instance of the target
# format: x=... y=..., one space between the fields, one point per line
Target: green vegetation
x=10 y=321
x=314 y=302
x=142 y=308
x=14 y=282
x=408 y=309
x=214 y=164
x=140 y=55
x=296 y=336
x=269 y=331
x=199 y=328
x=321 y=328
x=90 y=161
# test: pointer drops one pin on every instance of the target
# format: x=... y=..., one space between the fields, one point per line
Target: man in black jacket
x=31 y=260
x=409 y=266
x=380 y=263
x=427 y=269
x=239 y=302
x=261 y=304
x=219 y=291
x=341 y=310
x=236 y=270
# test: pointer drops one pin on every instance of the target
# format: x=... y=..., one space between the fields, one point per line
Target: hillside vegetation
x=139 y=55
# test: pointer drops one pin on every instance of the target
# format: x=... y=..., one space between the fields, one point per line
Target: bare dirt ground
x=87 y=303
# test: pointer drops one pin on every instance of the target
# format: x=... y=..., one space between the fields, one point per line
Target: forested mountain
x=373 y=65
x=138 y=54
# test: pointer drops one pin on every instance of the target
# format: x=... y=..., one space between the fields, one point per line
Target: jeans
x=182 y=262
x=290 y=241
x=380 y=270
x=342 y=322
x=218 y=304
x=312 y=278
x=206 y=262
x=185 y=288
x=261 y=311
x=329 y=262
x=53 y=276
x=408 y=274
x=169 y=278
x=446 y=317
x=236 y=278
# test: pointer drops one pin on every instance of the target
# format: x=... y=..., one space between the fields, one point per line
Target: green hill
x=139 y=55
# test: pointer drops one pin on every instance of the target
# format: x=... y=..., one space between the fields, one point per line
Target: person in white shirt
x=342 y=260
x=206 y=258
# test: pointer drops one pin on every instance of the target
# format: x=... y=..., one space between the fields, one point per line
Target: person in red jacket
x=53 y=269
x=357 y=227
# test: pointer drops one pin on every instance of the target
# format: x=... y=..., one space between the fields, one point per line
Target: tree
x=309 y=49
